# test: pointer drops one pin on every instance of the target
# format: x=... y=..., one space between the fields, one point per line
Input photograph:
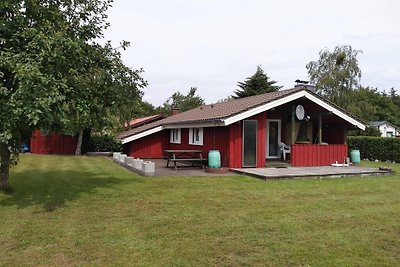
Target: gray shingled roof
x=139 y=129
x=217 y=111
x=227 y=109
x=379 y=123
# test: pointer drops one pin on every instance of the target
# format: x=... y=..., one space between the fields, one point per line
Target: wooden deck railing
x=317 y=155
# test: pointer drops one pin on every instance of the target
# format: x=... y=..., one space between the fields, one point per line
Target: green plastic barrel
x=214 y=159
x=355 y=156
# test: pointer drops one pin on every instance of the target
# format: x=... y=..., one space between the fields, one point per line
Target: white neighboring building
x=386 y=128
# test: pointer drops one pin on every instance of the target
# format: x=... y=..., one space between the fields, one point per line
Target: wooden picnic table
x=185 y=155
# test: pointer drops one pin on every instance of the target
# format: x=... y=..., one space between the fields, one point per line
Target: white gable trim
x=140 y=135
x=288 y=99
x=262 y=108
x=335 y=111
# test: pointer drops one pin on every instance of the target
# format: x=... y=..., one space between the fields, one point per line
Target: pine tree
x=257 y=84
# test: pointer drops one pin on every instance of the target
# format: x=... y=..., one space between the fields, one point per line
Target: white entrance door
x=273 y=138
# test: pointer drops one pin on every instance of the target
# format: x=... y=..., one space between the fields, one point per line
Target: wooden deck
x=299 y=172
x=271 y=173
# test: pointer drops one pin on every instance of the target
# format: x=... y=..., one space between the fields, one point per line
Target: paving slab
x=183 y=170
x=320 y=171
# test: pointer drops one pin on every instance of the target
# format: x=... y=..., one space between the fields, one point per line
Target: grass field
x=89 y=211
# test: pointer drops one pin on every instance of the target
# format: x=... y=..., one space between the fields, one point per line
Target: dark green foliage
x=54 y=75
x=369 y=104
x=369 y=131
x=372 y=148
x=145 y=109
x=257 y=84
x=105 y=143
x=181 y=102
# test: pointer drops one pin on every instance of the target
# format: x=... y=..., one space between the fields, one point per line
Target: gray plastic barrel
x=355 y=156
x=214 y=159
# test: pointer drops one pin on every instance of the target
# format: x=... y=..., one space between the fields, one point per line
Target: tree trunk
x=4 y=167
x=78 y=150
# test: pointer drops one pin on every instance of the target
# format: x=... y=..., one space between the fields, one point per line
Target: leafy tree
x=395 y=97
x=257 y=84
x=136 y=109
x=369 y=104
x=182 y=102
x=336 y=73
x=146 y=109
x=54 y=76
x=363 y=103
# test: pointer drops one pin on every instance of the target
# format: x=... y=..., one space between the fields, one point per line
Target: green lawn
x=89 y=211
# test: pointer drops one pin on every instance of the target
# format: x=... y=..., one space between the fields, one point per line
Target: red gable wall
x=211 y=135
x=151 y=146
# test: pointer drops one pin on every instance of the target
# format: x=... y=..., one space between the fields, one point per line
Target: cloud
x=215 y=44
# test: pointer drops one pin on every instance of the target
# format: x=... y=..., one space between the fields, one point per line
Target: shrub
x=105 y=143
x=372 y=148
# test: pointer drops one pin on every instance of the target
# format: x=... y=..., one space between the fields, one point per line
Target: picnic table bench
x=185 y=156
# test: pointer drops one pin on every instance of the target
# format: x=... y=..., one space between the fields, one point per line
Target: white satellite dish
x=300 y=112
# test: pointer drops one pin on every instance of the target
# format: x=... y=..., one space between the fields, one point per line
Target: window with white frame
x=196 y=136
x=175 y=136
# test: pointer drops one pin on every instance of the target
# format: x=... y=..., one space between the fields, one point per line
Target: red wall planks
x=213 y=138
x=151 y=146
x=53 y=143
x=303 y=155
x=261 y=138
x=235 y=145
x=236 y=141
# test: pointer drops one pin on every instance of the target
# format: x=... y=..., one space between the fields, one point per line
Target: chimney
x=175 y=111
x=305 y=84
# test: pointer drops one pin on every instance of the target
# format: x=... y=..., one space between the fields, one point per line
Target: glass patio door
x=273 y=138
x=249 y=143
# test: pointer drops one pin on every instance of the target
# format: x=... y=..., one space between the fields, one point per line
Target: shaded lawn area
x=88 y=211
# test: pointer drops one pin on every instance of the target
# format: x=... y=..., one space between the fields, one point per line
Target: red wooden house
x=250 y=131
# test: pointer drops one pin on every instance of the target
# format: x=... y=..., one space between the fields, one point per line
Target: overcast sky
x=212 y=45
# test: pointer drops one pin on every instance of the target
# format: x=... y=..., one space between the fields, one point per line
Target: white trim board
x=140 y=135
x=335 y=111
x=262 y=108
x=200 y=124
x=288 y=99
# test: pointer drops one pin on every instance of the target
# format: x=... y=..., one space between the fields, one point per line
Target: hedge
x=104 y=143
x=376 y=148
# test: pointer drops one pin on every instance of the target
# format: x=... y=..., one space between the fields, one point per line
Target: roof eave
x=197 y=124
x=134 y=137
